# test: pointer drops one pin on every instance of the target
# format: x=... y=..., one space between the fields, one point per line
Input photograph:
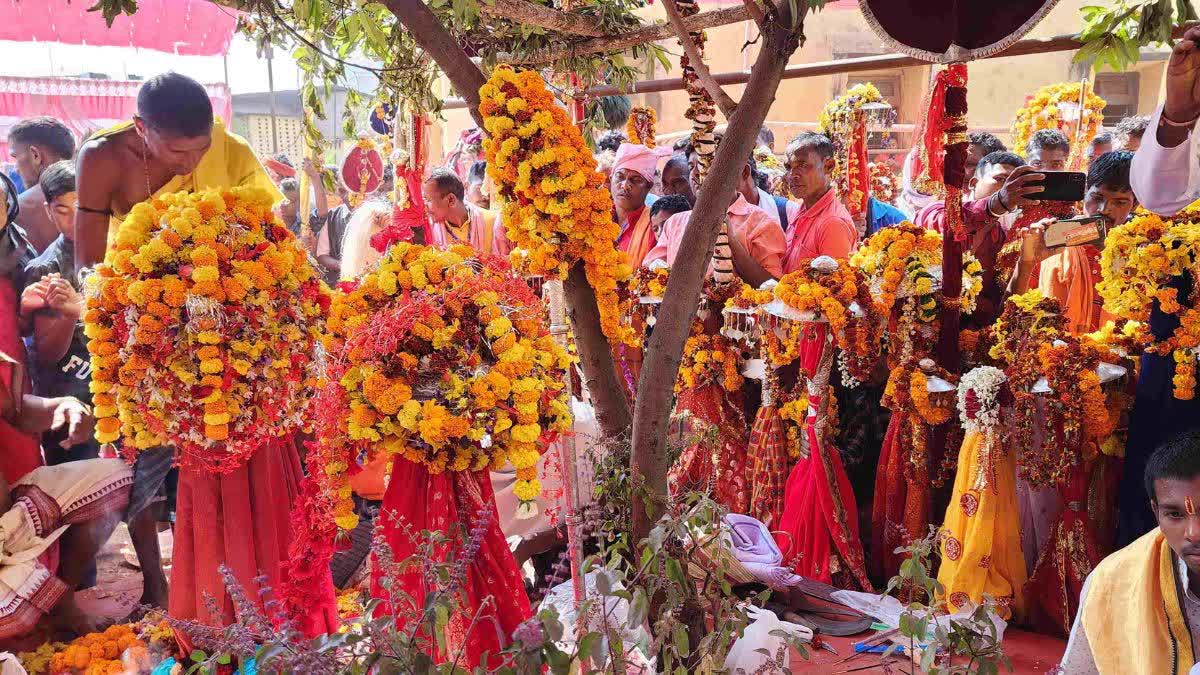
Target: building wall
x=996 y=90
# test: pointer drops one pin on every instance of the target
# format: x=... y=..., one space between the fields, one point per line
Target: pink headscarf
x=639 y=158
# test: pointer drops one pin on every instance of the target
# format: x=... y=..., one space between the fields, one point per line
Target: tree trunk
x=440 y=45
x=595 y=357
x=660 y=367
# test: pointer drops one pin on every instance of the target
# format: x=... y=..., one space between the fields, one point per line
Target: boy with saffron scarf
x=1139 y=612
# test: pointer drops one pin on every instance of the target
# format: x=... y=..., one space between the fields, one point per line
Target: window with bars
x=1120 y=93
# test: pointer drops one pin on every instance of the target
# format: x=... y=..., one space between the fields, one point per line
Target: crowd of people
x=778 y=221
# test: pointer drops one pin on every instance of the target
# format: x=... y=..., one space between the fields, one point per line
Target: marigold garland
x=448 y=361
x=898 y=260
x=96 y=653
x=1140 y=264
x=202 y=323
x=709 y=359
x=1042 y=111
x=640 y=127
x=831 y=294
x=885 y=185
x=557 y=207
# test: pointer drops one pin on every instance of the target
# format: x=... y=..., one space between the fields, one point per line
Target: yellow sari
x=981 y=536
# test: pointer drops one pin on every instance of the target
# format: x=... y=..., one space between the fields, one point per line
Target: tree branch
x=428 y=32
x=696 y=61
x=616 y=43
x=541 y=16
x=650 y=458
x=601 y=379
x=755 y=11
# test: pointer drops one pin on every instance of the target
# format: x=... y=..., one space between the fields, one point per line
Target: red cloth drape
x=241 y=520
x=452 y=502
x=22 y=452
x=818 y=531
x=770 y=462
x=716 y=466
x=1052 y=592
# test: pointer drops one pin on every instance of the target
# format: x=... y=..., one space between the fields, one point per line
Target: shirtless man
x=172 y=144
x=160 y=151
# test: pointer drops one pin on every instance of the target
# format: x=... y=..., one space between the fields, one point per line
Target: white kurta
x=1166 y=180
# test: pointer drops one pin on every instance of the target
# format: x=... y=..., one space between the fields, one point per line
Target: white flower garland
x=986 y=382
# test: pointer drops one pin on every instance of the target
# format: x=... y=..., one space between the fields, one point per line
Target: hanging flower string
x=557 y=209
x=1141 y=265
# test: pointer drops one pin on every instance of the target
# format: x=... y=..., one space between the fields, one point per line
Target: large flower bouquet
x=203 y=322
x=446 y=360
x=557 y=208
x=906 y=261
x=1141 y=263
x=1054 y=106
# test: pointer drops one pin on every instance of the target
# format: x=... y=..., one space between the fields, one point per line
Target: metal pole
x=271 y=98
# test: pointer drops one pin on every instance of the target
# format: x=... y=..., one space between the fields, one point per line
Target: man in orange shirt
x=823 y=226
x=756 y=241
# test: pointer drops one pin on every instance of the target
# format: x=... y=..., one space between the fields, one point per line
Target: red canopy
x=83 y=105
x=185 y=27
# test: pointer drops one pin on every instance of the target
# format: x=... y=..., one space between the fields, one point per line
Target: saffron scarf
x=1133 y=616
x=638 y=239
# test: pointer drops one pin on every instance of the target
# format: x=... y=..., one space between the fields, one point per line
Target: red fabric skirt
x=22 y=452
x=818 y=531
x=1052 y=592
x=770 y=463
x=717 y=466
x=493 y=599
x=241 y=520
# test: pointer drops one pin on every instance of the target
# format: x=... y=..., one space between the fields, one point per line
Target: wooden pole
x=1028 y=47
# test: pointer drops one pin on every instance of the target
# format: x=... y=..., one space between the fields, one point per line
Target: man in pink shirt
x=1001 y=184
x=458 y=222
x=757 y=241
x=823 y=225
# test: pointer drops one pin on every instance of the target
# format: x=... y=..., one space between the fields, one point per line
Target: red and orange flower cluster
x=202 y=324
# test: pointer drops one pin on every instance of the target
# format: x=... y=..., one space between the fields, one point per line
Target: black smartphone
x=1060 y=186
x=1076 y=232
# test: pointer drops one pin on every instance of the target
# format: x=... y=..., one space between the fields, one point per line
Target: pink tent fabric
x=83 y=105
x=185 y=27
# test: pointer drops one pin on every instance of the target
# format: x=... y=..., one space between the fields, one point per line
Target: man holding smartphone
x=1070 y=273
x=1001 y=185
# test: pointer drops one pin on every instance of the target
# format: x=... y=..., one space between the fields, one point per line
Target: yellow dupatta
x=1132 y=614
x=229 y=162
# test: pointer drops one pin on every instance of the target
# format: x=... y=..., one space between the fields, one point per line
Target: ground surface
x=120 y=586
x=1031 y=654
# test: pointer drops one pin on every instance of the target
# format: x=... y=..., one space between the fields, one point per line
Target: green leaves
x=1114 y=35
